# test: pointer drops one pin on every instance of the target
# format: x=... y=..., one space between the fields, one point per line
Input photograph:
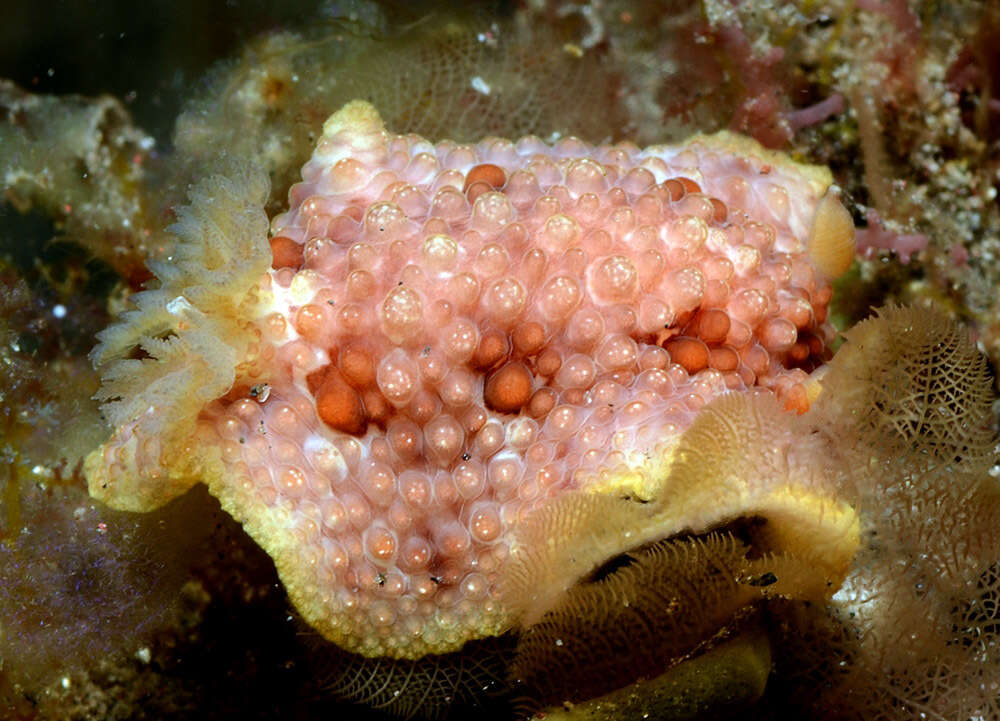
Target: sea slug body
x=442 y=339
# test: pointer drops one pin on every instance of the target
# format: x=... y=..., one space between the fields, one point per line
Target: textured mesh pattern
x=445 y=81
x=913 y=632
x=433 y=687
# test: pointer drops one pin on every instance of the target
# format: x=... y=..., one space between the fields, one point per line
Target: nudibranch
x=453 y=381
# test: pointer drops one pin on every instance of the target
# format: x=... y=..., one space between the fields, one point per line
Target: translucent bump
x=484 y=522
x=616 y=351
x=522 y=188
x=432 y=365
x=422 y=168
x=397 y=377
x=300 y=354
x=439 y=252
x=232 y=428
x=286 y=451
x=797 y=311
x=458 y=388
x=778 y=334
x=311 y=321
x=697 y=206
x=571 y=146
x=382 y=614
x=586 y=176
x=577 y=371
x=492 y=211
x=452 y=539
x=448 y=178
x=759 y=235
x=378 y=483
x=411 y=201
x=638 y=180
x=606 y=394
x=490 y=438
x=780 y=273
x=559 y=233
x=562 y=421
x=460 y=339
x=463 y=289
x=533 y=266
x=755 y=358
x=393 y=585
x=424 y=406
x=350 y=318
x=684 y=289
x=346 y=175
x=469 y=478
x=545 y=169
x=400 y=516
x=443 y=439
x=415 y=554
x=380 y=545
x=777 y=202
x=360 y=285
x=359 y=511
x=384 y=221
x=746 y=259
x=689 y=232
x=654 y=315
x=749 y=306
x=450 y=204
x=504 y=300
x=415 y=488
x=613 y=279
x=649 y=214
x=716 y=293
x=586 y=328
x=504 y=473
x=445 y=494
x=473 y=418
x=291 y=481
x=739 y=334
x=334 y=555
x=588 y=209
x=718 y=268
x=656 y=380
x=441 y=313
x=559 y=297
x=521 y=432
x=402 y=313
x=275 y=325
x=333 y=515
x=474 y=586
x=492 y=260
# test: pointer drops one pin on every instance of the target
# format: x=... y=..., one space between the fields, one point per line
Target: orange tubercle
x=509 y=388
x=286 y=252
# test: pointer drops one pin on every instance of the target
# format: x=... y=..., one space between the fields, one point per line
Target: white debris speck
x=179 y=305
x=480 y=85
